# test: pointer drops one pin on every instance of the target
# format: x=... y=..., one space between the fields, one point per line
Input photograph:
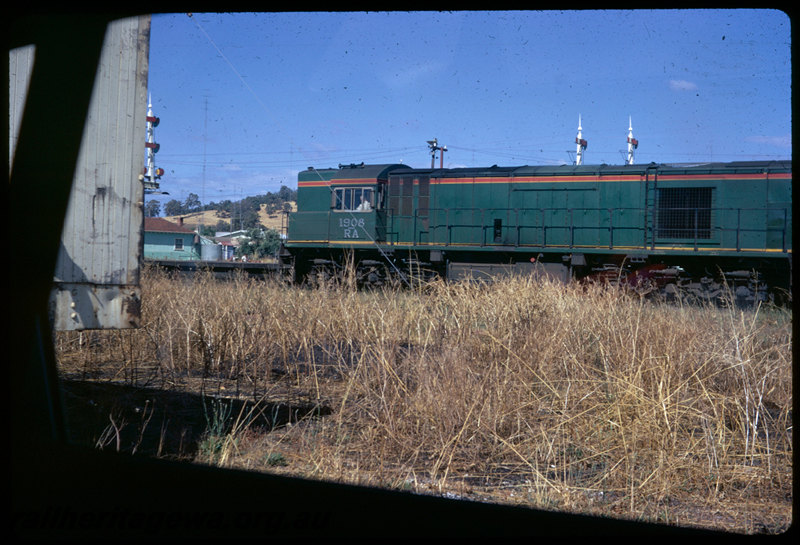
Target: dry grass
x=576 y=398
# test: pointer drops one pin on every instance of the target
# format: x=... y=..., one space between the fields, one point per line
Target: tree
x=249 y=219
x=192 y=203
x=269 y=243
x=287 y=194
x=152 y=209
x=211 y=230
x=259 y=243
x=207 y=231
x=173 y=208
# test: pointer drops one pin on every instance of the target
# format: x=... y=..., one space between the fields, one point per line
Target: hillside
x=211 y=217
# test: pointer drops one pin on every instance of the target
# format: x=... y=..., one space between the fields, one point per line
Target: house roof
x=164 y=226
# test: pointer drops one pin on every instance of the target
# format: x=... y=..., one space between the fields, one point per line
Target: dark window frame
x=347 y=199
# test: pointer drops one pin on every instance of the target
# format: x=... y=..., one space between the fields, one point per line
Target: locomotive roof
x=382 y=171
x=349 y=172
x=600 y=170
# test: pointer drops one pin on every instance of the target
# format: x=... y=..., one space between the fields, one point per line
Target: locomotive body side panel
x=309 y=225
x=565 y=220
x=725 y=210
x=779 y=219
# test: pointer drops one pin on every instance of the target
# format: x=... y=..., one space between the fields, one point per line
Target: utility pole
x=205 y=142
x=434 y=147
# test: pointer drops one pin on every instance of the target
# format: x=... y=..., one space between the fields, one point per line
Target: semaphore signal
x=150 y=175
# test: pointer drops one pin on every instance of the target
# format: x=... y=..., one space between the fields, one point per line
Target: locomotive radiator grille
x=684 y=212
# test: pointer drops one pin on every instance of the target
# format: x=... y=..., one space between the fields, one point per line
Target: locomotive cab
x=341 y=207
x=355 y=213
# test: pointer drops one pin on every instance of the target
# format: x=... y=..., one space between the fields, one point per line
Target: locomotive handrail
x=609 y=216
x=613 y=221
x=517 y=226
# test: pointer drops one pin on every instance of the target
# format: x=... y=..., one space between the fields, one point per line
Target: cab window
x=354 y=199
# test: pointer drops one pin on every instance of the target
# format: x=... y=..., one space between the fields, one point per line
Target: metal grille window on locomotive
x=401 y=194
x=684 y=212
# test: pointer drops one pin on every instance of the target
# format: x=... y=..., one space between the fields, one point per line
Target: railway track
x=221 y=269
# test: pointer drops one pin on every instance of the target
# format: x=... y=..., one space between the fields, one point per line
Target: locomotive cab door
x=408 y=210
x=380 y=212
x=422 y=216
x=400 y=211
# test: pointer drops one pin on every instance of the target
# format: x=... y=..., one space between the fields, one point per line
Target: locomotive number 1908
x=351 y=226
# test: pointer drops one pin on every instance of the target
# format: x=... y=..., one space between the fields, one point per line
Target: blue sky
x=246 y=100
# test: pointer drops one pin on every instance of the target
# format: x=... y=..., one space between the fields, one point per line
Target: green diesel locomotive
x=670 y=227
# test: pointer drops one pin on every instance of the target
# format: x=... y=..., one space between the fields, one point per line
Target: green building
x=165 y=240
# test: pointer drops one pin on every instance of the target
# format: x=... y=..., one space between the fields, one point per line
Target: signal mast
x=151 y=174
x=632 y=143
x=581 y=143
